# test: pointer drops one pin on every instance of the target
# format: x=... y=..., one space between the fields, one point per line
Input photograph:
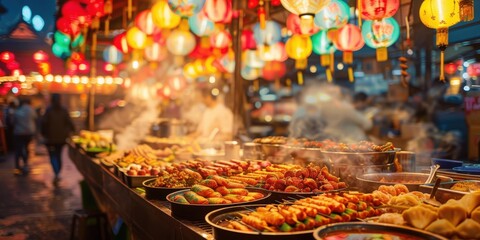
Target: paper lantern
x=66 y=26
x=112 y=55
x=176 y=82
x=201 y=50
x=249 y=73
x=120 y=42
x=180 y=42
x=136 y=38
x=305 y=9
x=186 y=8
x=72 y=8
x=349 y=39
x=274 y=70
x=62 y=38
x=226 y=63
x=189 y=71
x=451 y=68
x=334 y=15
x=270 y=35
x=77 y=57
x=78 y=41
x=144 y=21
x=217 y=10
x=380 y=35
x=299 y=47
x=275 y=52
x=7 y=57
x=252 y=59
x=96 y=8
x=323 y=46
x=378 y=9
x=221 y=39
x=163 y=17
x=210 y=66
x=200 y=25
x=60 y=51
x=40 y=56
x=155 y=52
x=248 y=40
x=466 y=10
x=295 y=26
x=13 y=65
x=440 y=15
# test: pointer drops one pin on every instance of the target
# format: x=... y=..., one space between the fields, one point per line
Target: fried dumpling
x=453 y=212
x=468 y=229
x=442 y=227
x=470 y=201
x=419 y=216
x=400 y=189
x=475 y=215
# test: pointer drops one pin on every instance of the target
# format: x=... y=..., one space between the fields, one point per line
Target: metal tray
x=135 y=181
x=374 y=228
x=359 y=158
x=458 y=176
x=371 y=181
x=444 y=193
x=198 y=211
x=279 y=196
x=159 y=193
x=220 y=232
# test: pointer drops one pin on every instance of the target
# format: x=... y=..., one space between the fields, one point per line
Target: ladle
x=433 y=171
x=431 y=200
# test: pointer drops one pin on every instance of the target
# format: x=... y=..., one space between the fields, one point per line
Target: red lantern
x=44 y=68
x=67 y=26
x=72 y=8
x=252 y=4
x=96 y=9
x=202 y=50
x=294 y=25
x=40 y=56
x=248 y=40
x=120 y=42
x=275 y=2
x=7 y=57
x=274 y=70
x=77 y=57
x=218 y=10
x=473 y=69
x=144 y=22
x=221 y=39
x=378 y=9
x=451 y=68
x=83 y=67
x=13 y=65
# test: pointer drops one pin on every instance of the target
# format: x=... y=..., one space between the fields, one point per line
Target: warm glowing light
x=108 y=80
x=455 y=81
x=211 y=79
x=39 y=78
x=135 y=64
x=100 y=80
x=313 y=69
x=22 y=78
x=340 y=66
x=84 y=80
x=58 y=78
x=76 y=79
x=67 y=79
x=119 y=81
x=215 y=92
x=49 y=78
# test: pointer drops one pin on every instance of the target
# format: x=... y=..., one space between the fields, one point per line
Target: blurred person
x=56 y=128
x=9 y=112
x=216 y=118
x=24 y=119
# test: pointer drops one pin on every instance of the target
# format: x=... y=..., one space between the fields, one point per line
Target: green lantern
x=78 y=41
x=323 y=46
x=62 y=38
x=61 y=51
x=380 y=35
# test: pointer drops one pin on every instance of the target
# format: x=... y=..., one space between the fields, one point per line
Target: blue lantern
x=201 y=25
x=186 y=8
x=334 y=15
x=322 y=45
x=380 y=35
x=112 y=55
x=268 y=36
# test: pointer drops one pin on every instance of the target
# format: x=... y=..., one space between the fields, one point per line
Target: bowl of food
x=372 y=181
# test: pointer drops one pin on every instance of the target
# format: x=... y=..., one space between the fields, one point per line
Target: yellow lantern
x=305 y=9
x=440 y=15
x=136 y=38
x=163 y=16
x=189 y=71
x=299 y=47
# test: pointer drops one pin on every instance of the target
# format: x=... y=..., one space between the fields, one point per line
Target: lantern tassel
x=332 y=61
x=329 y=75
x=359 y=8
x=350 y=74
x=277 y=84
x=300 y=78
x=442 y=74
x=256 y=85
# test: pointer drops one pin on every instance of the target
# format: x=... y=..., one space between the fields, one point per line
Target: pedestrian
x=23 y=130
x=56 y=128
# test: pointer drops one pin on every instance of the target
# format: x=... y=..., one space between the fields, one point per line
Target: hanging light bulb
x=305 y=9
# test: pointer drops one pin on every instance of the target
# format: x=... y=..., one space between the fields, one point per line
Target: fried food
x=419 y=217
x=442 y=227
x=468 y=229
x=453 y=212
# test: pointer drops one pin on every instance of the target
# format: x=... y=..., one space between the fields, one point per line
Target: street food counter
x=299 y=190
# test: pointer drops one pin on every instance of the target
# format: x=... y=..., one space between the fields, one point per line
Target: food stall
x=327 y=182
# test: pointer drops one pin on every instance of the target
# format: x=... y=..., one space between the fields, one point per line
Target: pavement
x=31 y=206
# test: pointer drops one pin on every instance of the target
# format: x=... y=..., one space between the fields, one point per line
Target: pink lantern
x=218 y=10
x=275 y=52
x=378 y=9
x=349 y=39
x=295 y=26
x=176 y=82
x=13 y=65
x=248 y=40
x=120 y=42
x=40 y=56
x=155 y=52
x=144 y=22
x=221 y=39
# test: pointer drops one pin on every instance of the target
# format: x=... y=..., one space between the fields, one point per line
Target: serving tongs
x=431 y=201
x=433 y=171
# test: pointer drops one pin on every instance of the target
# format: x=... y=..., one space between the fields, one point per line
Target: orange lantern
x=451 y=68
x=274 y=70
x=144 y=21
x=221 y=39
x=40 y=56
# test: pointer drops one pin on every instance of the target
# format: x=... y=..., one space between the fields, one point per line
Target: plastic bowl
x=447 y=163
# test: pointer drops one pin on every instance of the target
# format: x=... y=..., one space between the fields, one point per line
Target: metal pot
x=371 y=181
x=169 y=127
